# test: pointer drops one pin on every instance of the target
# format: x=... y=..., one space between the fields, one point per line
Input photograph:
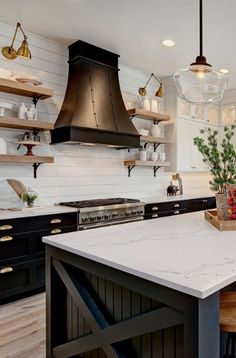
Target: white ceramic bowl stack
x=5 y=104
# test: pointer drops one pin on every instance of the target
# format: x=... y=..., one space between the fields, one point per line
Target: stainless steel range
x=104 y=212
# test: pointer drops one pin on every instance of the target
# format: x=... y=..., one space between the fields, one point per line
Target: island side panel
x=133 y=317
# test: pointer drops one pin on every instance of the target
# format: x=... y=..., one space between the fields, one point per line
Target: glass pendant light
x=200 y=83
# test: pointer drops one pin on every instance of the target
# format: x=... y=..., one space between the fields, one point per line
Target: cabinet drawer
x=21 y=277
x=14 y=246
x=40 y=246
x=10 y=226
x=163 y=207
x=202 y=204
x=210 y=203
x=162 y=214
x=28 y=244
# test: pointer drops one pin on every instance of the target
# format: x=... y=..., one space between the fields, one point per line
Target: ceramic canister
x=3 y=146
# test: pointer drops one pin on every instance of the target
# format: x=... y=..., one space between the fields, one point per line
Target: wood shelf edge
x=24 y=89
x=146 y=163
x=17 y=123
x=153 y=116
x=155 y=140
x=31 y=159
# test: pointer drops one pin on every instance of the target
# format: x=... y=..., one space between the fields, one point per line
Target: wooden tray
x=222 y=225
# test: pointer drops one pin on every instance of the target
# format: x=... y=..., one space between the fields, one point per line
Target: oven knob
x=106 y=216
x=134 y=212
x=128 y=212
x=92 y=218
x=84 y=219
x=140 y=211
x=99 y=217
x=115 y=215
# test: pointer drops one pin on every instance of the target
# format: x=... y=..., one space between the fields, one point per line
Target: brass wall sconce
x=159 y=93
x=11 y=54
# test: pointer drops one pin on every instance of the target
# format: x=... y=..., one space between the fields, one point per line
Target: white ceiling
x=134 y=29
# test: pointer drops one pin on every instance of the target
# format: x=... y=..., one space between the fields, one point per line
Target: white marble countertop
x=36 y=211
x=162 y=199
x=182 y=252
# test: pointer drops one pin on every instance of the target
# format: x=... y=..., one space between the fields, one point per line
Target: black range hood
x=93 y=111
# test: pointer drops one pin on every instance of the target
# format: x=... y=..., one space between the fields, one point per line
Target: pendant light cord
x=200 y=27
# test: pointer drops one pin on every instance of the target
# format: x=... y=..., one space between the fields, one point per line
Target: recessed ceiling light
x=224 y=70
x=168 y=43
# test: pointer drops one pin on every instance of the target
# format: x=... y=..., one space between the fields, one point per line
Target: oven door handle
x=97 y=225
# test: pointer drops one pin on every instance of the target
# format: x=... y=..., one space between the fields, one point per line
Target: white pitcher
x=155 y=130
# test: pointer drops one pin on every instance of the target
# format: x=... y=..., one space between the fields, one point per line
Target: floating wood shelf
x=17 y=123
x=145 y=163
x=24 y=89
x=26 y=159
x=151 y=116
x=156 y=141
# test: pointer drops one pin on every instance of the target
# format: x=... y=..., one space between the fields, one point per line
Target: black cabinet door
x=202 y=204
x=166 y=206
x=164 y=213
x=19 y=277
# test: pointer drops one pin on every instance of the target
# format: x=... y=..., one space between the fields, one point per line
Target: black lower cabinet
x=177 y=207
x=22 y=262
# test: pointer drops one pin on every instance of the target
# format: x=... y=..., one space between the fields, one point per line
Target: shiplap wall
x=79 y=172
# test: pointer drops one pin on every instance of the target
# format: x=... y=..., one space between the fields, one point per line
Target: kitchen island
x=143 y=289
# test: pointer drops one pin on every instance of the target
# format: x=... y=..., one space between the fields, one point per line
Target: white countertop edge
x=146 y=276
x=161 y=199
x=36 y=211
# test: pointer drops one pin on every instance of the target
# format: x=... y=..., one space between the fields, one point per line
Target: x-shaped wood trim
x=104 y=335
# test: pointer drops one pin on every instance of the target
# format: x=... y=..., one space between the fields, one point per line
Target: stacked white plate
x=26 y=78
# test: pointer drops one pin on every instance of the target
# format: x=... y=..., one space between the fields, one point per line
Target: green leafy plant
x=29 y=197
x=219 y=158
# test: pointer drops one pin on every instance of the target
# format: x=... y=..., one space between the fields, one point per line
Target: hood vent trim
x=93 y=110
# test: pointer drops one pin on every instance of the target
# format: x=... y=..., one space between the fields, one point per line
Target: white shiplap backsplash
x=79 y=172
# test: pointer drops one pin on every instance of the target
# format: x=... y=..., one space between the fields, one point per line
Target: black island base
x=95 y=311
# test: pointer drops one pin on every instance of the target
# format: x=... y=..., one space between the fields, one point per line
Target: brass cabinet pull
x=55 y=231
x=55 y=221
x=176 y=206
x=155 y=216
x=155 y=208
x=6 y=269
x=6 y=227
x=6 y=238
x=176 y=212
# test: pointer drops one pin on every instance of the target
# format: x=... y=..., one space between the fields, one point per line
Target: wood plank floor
x=22 y=328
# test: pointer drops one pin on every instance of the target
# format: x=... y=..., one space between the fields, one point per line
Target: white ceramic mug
x=154 y=156
x=143 y=155
x=162 y=156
